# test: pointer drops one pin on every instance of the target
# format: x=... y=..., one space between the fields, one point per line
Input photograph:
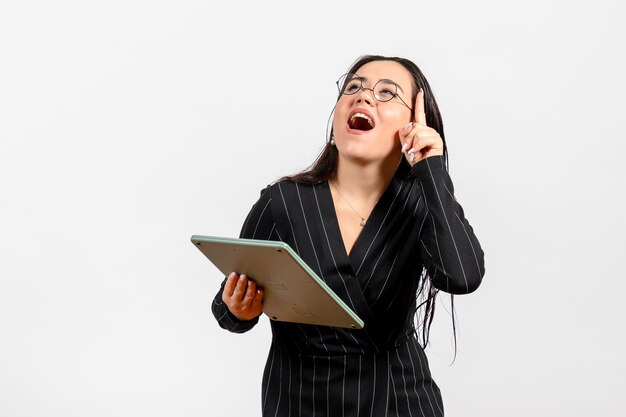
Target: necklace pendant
x=362 y=222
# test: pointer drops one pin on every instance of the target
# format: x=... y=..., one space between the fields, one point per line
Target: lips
x=360 y=120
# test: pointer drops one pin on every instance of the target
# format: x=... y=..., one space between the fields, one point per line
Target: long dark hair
x=325 y=168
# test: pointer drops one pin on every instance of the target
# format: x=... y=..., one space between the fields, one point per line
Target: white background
x=128 y=126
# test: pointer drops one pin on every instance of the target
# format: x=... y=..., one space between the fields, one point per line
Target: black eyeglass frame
x=362 y=87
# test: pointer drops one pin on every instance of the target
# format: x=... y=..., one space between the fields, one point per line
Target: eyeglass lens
x=384 y=90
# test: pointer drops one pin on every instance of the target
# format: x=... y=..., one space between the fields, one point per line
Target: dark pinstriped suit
x=380 y=370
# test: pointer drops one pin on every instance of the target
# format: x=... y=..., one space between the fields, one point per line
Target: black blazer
x=380 y=370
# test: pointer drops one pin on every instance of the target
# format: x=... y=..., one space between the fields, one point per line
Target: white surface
x=128 y=126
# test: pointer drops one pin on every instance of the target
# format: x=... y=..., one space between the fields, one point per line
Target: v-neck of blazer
x=363 y=242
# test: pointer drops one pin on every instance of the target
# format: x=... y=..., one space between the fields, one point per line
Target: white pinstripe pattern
x=293 y=233
x=419 y=233
x=388 y=377
x=393 y=385
x=300 y=394
x=306 y=223
x=269 y=376
x=423 y=377
x=306 y=337
x=426 y=249
x=280 y=386
x=358 y=395
x=419 y=401
x=322 y=339
x=343 y=389
x=289 y=390
x=313 y=386
x=380 y=256
x=432 y=220
x=260 y=217
x=470 y=242
x=431 y=381
x=447 y=223
x=443 y=266
x=334 y=329
x=449 y=192
x=379 y=228
x=386 y=279
x=406 y=200
x=375 y=265
x=374 y=390
x=419 y=200
x=406 y=393
x=245 y=223
x=328 y=389
x=222 y=316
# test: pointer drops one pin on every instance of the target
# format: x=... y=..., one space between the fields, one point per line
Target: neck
x=364 y=182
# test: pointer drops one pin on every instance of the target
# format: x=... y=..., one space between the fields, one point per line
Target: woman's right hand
x=243 y=298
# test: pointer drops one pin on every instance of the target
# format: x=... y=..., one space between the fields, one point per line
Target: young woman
x=375 y=217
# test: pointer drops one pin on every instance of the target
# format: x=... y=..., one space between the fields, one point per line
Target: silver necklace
x=346 y=200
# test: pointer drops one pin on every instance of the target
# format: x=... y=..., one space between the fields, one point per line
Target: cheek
x=337 y=124
x=340 y=114
x=395 y=120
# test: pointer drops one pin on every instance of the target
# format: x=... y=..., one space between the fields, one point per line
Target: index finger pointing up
x=420 y=115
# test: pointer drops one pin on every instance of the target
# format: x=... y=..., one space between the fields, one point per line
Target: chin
x=363 y=157
x=364 y=149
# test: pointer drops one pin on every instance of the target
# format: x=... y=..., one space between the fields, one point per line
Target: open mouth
x=360 y=121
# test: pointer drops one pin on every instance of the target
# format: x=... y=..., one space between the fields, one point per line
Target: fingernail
x=411 y=157
x=408 y=126
x=406 y=145
x=412 y=150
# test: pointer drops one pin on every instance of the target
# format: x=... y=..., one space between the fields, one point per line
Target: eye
x=352 y=87
x=386 y=90
x=385 y=94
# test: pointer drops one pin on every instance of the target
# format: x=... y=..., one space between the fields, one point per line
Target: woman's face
x=376 y=139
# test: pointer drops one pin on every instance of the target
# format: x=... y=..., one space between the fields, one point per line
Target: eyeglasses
x=383 y=91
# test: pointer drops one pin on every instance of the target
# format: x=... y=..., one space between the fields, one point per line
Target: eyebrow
x=382 y=79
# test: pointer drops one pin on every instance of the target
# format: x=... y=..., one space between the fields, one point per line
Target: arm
x=450 y=250
x=259 y=224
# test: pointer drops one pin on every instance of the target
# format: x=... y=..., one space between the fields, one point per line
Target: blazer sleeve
x=449 y=248
x=259 y=224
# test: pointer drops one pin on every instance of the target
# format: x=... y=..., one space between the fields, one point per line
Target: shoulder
x=276 y=188
x=287 y=189
x=290 y=197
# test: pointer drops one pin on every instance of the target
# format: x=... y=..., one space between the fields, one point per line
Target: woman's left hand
x=417 y=139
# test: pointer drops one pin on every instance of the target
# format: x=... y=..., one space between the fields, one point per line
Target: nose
x=365 y=95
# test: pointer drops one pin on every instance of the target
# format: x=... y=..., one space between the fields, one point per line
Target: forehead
x=390 y=70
